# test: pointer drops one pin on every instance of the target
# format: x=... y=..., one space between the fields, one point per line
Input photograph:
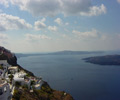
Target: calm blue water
x=84 y=81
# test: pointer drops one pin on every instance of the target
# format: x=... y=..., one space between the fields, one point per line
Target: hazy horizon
x=107 y=51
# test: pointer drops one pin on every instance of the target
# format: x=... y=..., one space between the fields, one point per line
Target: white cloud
x=12 y=22
x=38 y=7
x=40 y=24
x=36 y=37
x=88 y=34
x=118 y=1
x=54 y=7
x=4 y=2
x=3 y=38
x=43 y=20
x=67 y=23
x=58 y=21
x=95 y=11
x=65 y=36
x=2 y=28
x=52 y=28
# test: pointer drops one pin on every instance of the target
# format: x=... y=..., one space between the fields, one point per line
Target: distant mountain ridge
x=75 y=52
x=59 y=53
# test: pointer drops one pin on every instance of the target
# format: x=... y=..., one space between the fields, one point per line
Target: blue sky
x=55 y=25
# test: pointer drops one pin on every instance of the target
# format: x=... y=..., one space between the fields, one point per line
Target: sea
x=69 y=73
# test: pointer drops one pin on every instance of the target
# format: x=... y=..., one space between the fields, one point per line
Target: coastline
x=104 y=60
x=23 y=84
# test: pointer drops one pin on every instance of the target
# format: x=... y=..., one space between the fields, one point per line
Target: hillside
x=104 y=60
x=45 y=93
x=23 y=93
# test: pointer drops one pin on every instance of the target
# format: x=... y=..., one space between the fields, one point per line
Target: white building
x=20 y=77
x=39 y=84
x=4 y=63
x=5 y=93
x=13 y=69
x=2 y=73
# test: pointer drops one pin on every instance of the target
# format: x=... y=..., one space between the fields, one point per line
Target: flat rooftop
x=13 y=67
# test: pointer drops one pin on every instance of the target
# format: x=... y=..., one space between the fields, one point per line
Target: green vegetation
x=32 y=83
x=16 y=95
x=25 y=86
x=11 y=78
x=17 y=84
x=1 y=67
x=45 y=93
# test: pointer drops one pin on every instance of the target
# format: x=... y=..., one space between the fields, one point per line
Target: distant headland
x=104 y=60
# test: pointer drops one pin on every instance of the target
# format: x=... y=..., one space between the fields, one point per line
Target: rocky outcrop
x=6 y=54
x=11 y=58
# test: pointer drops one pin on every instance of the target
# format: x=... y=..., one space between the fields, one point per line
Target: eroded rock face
x=6 y=54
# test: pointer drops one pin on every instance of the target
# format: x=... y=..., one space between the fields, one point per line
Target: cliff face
x=5 y=54
x=46 y=93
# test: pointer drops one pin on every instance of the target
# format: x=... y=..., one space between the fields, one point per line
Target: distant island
x=104 y=60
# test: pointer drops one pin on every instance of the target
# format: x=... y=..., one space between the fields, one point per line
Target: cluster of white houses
x=9 y=75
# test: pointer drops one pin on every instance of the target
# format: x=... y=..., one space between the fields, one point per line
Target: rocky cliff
x=6 y=54
x=46 y=92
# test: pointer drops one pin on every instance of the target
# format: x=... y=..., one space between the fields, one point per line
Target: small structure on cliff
x=13 y=69
x=39 y=83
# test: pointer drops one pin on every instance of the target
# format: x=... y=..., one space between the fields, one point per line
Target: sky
x=55 y=25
